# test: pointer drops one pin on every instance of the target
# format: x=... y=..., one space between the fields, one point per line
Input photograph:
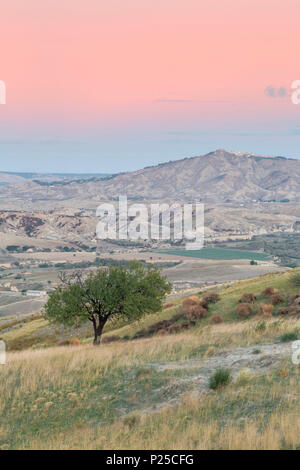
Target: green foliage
x=291 y=336
x=285 y=246
x=295 y=279
x=219 y=379
x=12 y=248
x=117 y=291
x=261 y=326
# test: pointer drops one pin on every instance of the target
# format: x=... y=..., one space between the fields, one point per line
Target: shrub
x=269 y=291
x=203 y=303
x=176 y=317
x=283 y=311
x=296 y=300
x=64 y=342
x=131 y=421
x=190 y=301
x=293 y=310
x=295 y=279
x=195 y=312
x=211 y=298
x=291 y=336
x=216 y=319
x=276 y=299
x=219 y=379
x=174 y=329
x=266 y=310
x=248 y=298
x=158 y=326
x=261 y=326
x=162 y=332
x=168 y=305
x=75 y=342
x=243 y=310
x=180 y=326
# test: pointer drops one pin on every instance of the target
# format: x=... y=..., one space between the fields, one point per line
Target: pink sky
x=86 y=68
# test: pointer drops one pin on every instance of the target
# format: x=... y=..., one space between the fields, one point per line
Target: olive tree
x=117 y=291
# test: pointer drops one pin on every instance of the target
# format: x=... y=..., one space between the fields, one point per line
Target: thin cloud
x=171 y=100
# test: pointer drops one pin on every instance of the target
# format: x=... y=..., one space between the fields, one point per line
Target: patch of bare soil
x=257 y=360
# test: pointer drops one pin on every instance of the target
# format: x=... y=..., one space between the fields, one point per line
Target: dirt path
x=257 y=359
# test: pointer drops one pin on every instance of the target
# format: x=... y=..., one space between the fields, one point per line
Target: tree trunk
x=98 y=331
x=96 y=341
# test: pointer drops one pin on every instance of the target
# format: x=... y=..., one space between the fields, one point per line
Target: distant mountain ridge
x=217 y=177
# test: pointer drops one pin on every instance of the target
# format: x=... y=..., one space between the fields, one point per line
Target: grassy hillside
x=35 y=331
x=154 y=392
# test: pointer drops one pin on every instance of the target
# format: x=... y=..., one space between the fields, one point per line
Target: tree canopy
x=117 y=291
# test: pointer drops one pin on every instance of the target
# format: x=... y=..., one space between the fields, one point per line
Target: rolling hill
x=218 y=177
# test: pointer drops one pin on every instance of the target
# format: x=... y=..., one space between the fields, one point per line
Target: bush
x=269 y=291
x=190 y=301
x=219 y=379
x=211 y=298
x=293 y=310
x=75 y=342
x=69 y=342
x=261 y=326
x=155 y=327
x=276 y=299
x=244 y=310
x=64 y=342
x=176 y=317
x=295 y=279
x=204 y=303
x=267 y=309
x=286 y=337
x=216 y=319
x=283 y=311
x=162 y=332
x=296 y=300
x=195 y=312
x=248 y=298
x=168 y=305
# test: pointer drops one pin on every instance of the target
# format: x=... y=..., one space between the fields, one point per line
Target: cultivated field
x=219 y=254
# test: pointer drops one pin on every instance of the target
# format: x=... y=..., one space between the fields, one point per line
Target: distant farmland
x=218 y=254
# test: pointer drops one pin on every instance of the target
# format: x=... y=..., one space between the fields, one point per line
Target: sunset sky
x=114 y=85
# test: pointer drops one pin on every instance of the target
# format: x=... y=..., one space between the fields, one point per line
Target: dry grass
x=264 y=414
x=74 y=397
x=114 y=396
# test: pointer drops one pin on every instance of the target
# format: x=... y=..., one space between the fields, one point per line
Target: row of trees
x=116 y=291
